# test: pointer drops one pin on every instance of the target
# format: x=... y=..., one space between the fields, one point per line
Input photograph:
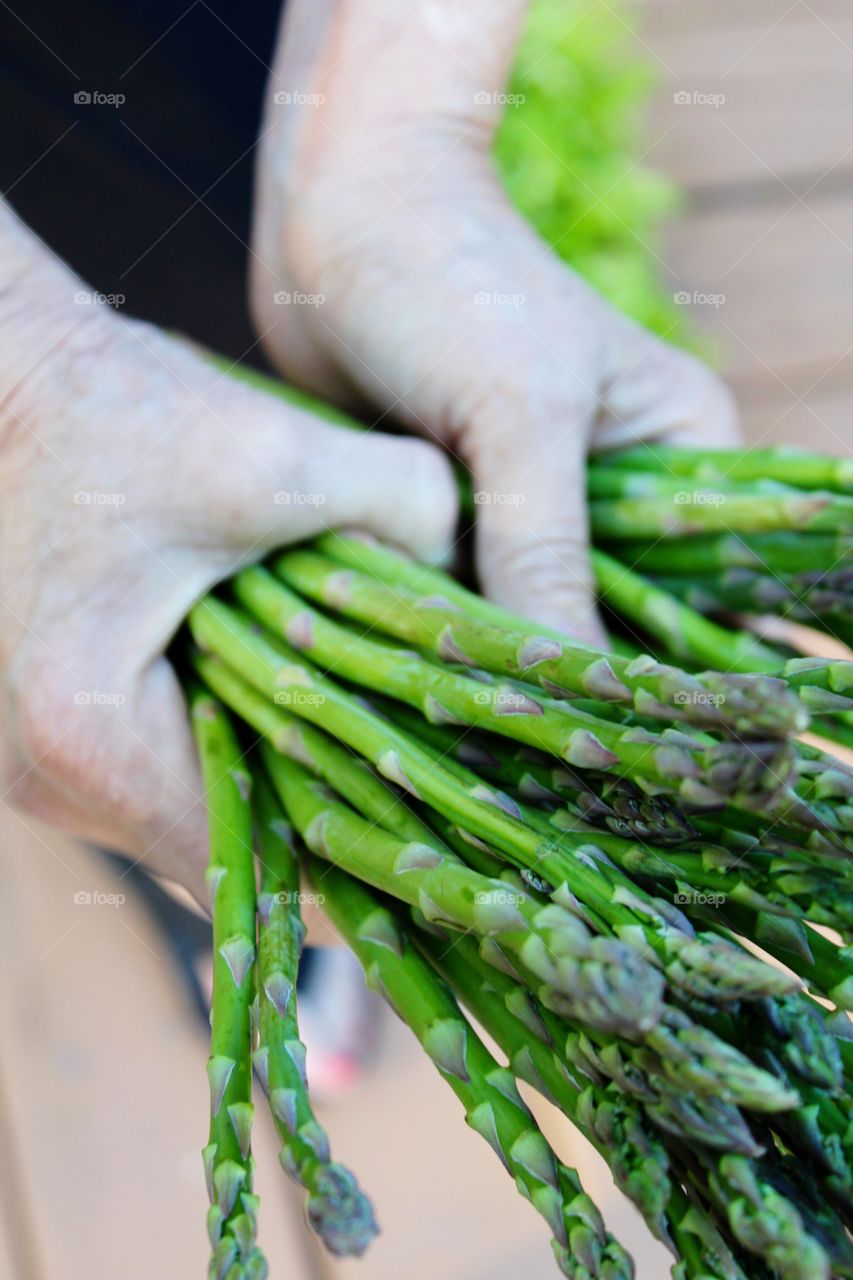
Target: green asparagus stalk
x=692 y=962
x=681 y=630
x=228 y=1165
x=665 y=762
x=618 y=482
x=605 y=983
x=336 y=1209
x=748 y=591
x=666 y=517
x=782 y=463
x=493 y=1107
x=761 y=1219
x=823 y=686
x=612 y=1123
x=794 y=1031
x=615 y=804
x=686 y=1077
x=709 y=1068
x=825 y=967
x=751 y=705
x=773 y=554
x=836 y=728
x=286 y=734
x=761 y=880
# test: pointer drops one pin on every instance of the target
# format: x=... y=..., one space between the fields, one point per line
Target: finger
x=277 y=475
x=533 y=534
x=660 y=393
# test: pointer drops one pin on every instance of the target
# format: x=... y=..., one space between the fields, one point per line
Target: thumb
x=533 y=533
x=283 y=474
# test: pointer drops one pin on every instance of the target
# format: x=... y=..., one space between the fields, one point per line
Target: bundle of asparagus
x=735 y=535
x=600 y=857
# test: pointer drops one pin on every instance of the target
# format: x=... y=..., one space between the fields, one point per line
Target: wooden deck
x=763 y=149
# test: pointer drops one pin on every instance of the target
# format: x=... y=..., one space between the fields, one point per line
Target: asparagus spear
x=762 y=880
x=825 y=967
x=667 y=762
x=532 y=1058
x=747 y=591
x=286 y=734
x=707 y=971
x=746 y=705
x=618 y=482
x=818 y=511
x=684 y=1075
x=693 y=1059
x=782 y=463
x=601 y=799
x=493 y=1107
x=769 y=553
x=336 y=1208
x=606 y=1117
x=681 y=630
x=761 y=1219
x=824 y=686
x=604 y=982
x=228 y=1165
x=836 y=728
x=794 y=1031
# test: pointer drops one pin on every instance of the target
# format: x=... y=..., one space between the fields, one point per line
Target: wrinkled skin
x=133 y=478
x=382 y=199
x=376 y=192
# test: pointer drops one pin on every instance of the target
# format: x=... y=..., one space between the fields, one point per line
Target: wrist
x=47 y=317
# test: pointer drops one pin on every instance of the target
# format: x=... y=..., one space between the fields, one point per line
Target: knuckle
x=708 y=399
x=51 y=735
x=552 y=565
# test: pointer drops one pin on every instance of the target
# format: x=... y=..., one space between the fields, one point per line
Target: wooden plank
x=779 y=135
x=700 y=16
x=795 y=42
x=820 y=418
x=767 y=94
x=786 y=283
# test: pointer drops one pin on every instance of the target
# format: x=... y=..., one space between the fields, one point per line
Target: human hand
x=134 y=476
x=426 y=294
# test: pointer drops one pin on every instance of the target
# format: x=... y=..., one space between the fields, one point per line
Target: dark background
x=149 y=199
